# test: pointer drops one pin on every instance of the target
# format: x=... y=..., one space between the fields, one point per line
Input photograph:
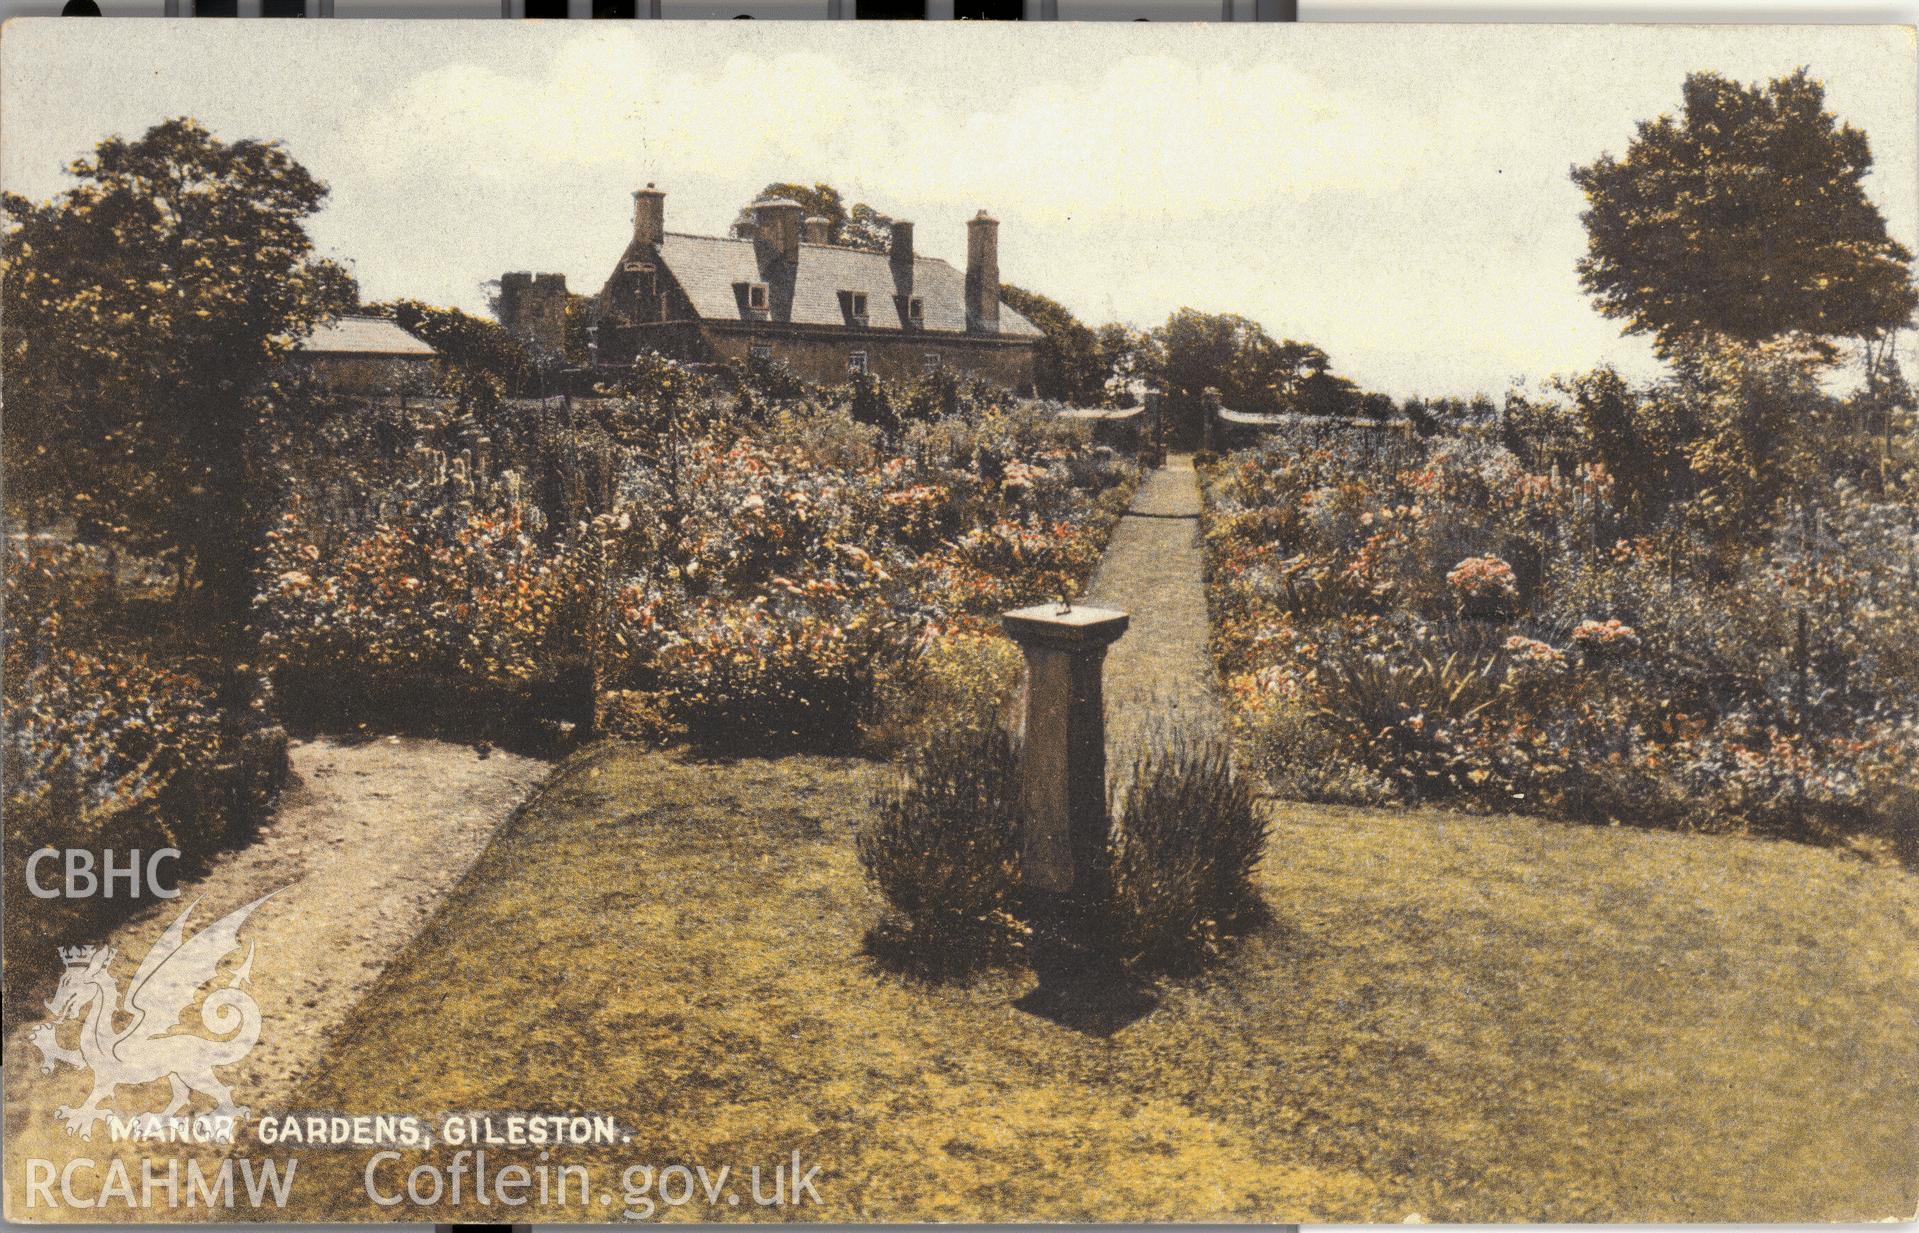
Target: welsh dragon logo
x=132 y=1041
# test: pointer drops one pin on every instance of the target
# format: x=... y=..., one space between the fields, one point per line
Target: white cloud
x=1174 y=135
x=1397 y=194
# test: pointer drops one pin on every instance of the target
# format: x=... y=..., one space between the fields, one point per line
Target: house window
x=637 y=267
x=856 y=362
x=760 y=351
x=853 y=304
x=930 y=361
x=756 y=295
x=916 y=310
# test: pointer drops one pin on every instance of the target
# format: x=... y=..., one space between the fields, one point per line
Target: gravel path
x=368 y=839
x=1158 y=677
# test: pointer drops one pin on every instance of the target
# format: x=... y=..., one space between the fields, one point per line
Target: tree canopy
x=1746 y=217
x=855 y=226
x=1127 y=361
x=480 y=359
x=1067 y=365
x=1251 y=370
x=146 y=308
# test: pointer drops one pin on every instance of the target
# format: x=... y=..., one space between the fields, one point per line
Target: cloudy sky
x=1396 y=194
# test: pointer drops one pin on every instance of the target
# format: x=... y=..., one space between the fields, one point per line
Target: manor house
x=781 y=292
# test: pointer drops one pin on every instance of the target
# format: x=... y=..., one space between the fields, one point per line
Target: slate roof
x=362 y=336
x=710 y=270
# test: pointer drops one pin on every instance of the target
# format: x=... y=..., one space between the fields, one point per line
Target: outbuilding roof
x=356 y=335
x=713 y=272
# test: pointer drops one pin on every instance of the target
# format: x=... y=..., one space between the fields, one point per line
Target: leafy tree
x=1752 y=419
x=1880 y=404
x=1323 y=393
x=1222 y=351
x=855 y=226
x=147 y=309
x=481 y=359
x=866 y=228
x=1377 y=407
x=1640 y=440
x=1251 y=370
x=1129 y=358
x=1067 y=363
x=1746 y=217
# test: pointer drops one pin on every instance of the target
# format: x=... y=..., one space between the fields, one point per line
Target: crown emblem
x=73 y=956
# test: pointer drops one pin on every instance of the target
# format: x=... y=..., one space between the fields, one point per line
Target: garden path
x=1159 y=676
x=366 y=842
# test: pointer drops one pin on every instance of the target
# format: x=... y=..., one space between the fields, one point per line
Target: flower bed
x=755 y=569
x=1440 y=623
x=804 y=583
x=444 y=604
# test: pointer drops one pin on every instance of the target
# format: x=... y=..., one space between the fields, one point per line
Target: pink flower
x=1610 y=636
x=1532 y=650
x=1483 y=577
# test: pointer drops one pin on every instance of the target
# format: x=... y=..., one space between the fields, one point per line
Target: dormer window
x=916 y=310
x=755 y=303
x=853 y=304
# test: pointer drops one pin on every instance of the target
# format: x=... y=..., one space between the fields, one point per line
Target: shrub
x=738 y=675
x=1407 y=709
x=1010 y=564
x=738 y=560
x=943 y=848
x=1187 y=842
x=1605 y=638
x=111 y=749
x=957 y=680
x=1484 y=586
x=422 y=596
x=1629 y=655
x=1285 y=741
x=104 y=746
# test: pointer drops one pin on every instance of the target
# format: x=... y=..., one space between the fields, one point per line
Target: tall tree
x=482 y=359
x=855 y=226
x=1745 y=217
x=1129 y=360
x=1251 y=370
x=147 y=307
x=1067 y=363
x=866 y=228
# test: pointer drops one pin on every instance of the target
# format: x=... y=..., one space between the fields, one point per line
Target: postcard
x=639 y=621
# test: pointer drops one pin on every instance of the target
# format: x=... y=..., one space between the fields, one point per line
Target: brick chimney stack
x=649 y=215
x=819 y=230
x=982 y=274
x=778 y=224
x=902 y=249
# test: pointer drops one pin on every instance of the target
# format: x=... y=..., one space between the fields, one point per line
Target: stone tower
x=533 y=310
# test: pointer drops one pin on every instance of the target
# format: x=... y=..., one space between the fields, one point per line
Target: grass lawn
x=1459 y=1018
